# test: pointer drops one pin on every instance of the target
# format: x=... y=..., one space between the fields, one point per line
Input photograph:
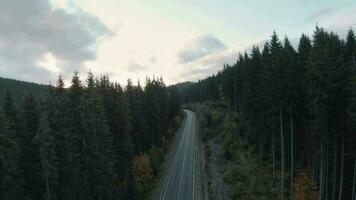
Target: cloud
x=208 y=65
x=135 y=67
x=153 y=59
x=319 y=13
x=214 y=62
x=30 y=30
x=343 y=24
x=200 y=47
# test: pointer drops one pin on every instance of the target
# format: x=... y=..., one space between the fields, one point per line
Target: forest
x=92 y=140
x=297 y=107
x=22 y=89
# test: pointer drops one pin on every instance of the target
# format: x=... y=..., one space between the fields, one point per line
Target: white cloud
x=135 y=67
x=144 y=37
x=208 y=65
x=40 y=39
x=34 y=34
x=200 y=47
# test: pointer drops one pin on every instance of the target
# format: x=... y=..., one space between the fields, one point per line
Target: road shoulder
x=164 y=169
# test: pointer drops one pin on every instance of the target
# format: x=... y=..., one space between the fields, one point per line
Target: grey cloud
x=196 y=73
x=343 y=24
x=24 y=69
x=135 y=67
x=30 y=29
x=317 y=14
x=211 y=64
x=200 y=47
x=153 y=59
x=208 y=65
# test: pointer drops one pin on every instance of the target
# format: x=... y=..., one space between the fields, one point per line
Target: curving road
x=180 y=180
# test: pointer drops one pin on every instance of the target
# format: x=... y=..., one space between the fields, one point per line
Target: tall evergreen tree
x=45 y=139
x=96 y=149
x=10 y=187
x=30 y=159
x=310 y=92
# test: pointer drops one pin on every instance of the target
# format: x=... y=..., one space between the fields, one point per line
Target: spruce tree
x=30 y=159
x=45 y=139
x=10 y=187
x=96 y=149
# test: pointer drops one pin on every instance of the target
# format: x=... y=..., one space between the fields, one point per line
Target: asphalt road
x=180 y=180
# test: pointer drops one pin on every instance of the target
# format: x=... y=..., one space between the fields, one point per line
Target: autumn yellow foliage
x=304 y=187
x=143 y=174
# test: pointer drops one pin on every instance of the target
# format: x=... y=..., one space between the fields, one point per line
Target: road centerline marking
x=167 y=180
x=184 y=158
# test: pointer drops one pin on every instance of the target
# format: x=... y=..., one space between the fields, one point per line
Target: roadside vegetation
x=245 y=174
x=295 y=107
x=147 y=167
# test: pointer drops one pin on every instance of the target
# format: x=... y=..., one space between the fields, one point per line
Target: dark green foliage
x=30 y=158
x=9 y=158
x=156 y=107
x=97 y=159
x=78 y=143
x=11 y=113
x=22 y=89
x=45 y=139
x=298 y=107
x=247 y=176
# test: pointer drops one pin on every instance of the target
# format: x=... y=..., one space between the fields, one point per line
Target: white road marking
x=181 y=176
x=194 y=129
x=163 y=194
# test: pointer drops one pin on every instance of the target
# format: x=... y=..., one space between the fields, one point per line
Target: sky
x=180 y=40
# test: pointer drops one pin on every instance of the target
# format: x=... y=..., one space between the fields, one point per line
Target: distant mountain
x=183 y=89
x=20 y=89
x=183 y=85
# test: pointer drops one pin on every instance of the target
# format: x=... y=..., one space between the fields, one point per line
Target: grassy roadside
x=232 y=168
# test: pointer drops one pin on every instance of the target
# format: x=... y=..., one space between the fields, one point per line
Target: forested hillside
x=93 y=140
x=297 y=107
x=21 y=89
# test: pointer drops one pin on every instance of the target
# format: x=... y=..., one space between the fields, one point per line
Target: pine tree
x=45 y=139
x=11 y=114
x=62 y=110
x=30 y=159
x=314 y=87
x=10 y=187
x=96 y=149
x=135 y=99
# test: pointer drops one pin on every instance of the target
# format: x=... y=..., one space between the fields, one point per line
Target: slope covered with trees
x=297 y=107
x=85 y=141
x=21 y=89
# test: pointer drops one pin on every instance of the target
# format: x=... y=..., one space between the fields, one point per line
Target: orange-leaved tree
x=304 y=187
x=143 y=174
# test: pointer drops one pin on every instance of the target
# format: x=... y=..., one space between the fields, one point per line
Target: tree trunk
x=315 y=148
x=313 y=159
x=292 y=154
x=260 y=145
x=273 y=156
x=321 y=177
x=282 y=154
x=354 y=183
x=47 y=186
x=326 y=185
x=335 y=169
x=342 y=166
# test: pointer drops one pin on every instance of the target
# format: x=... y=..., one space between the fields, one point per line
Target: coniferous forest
x=297 y=107
x=92 y=140
x=98 y=140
